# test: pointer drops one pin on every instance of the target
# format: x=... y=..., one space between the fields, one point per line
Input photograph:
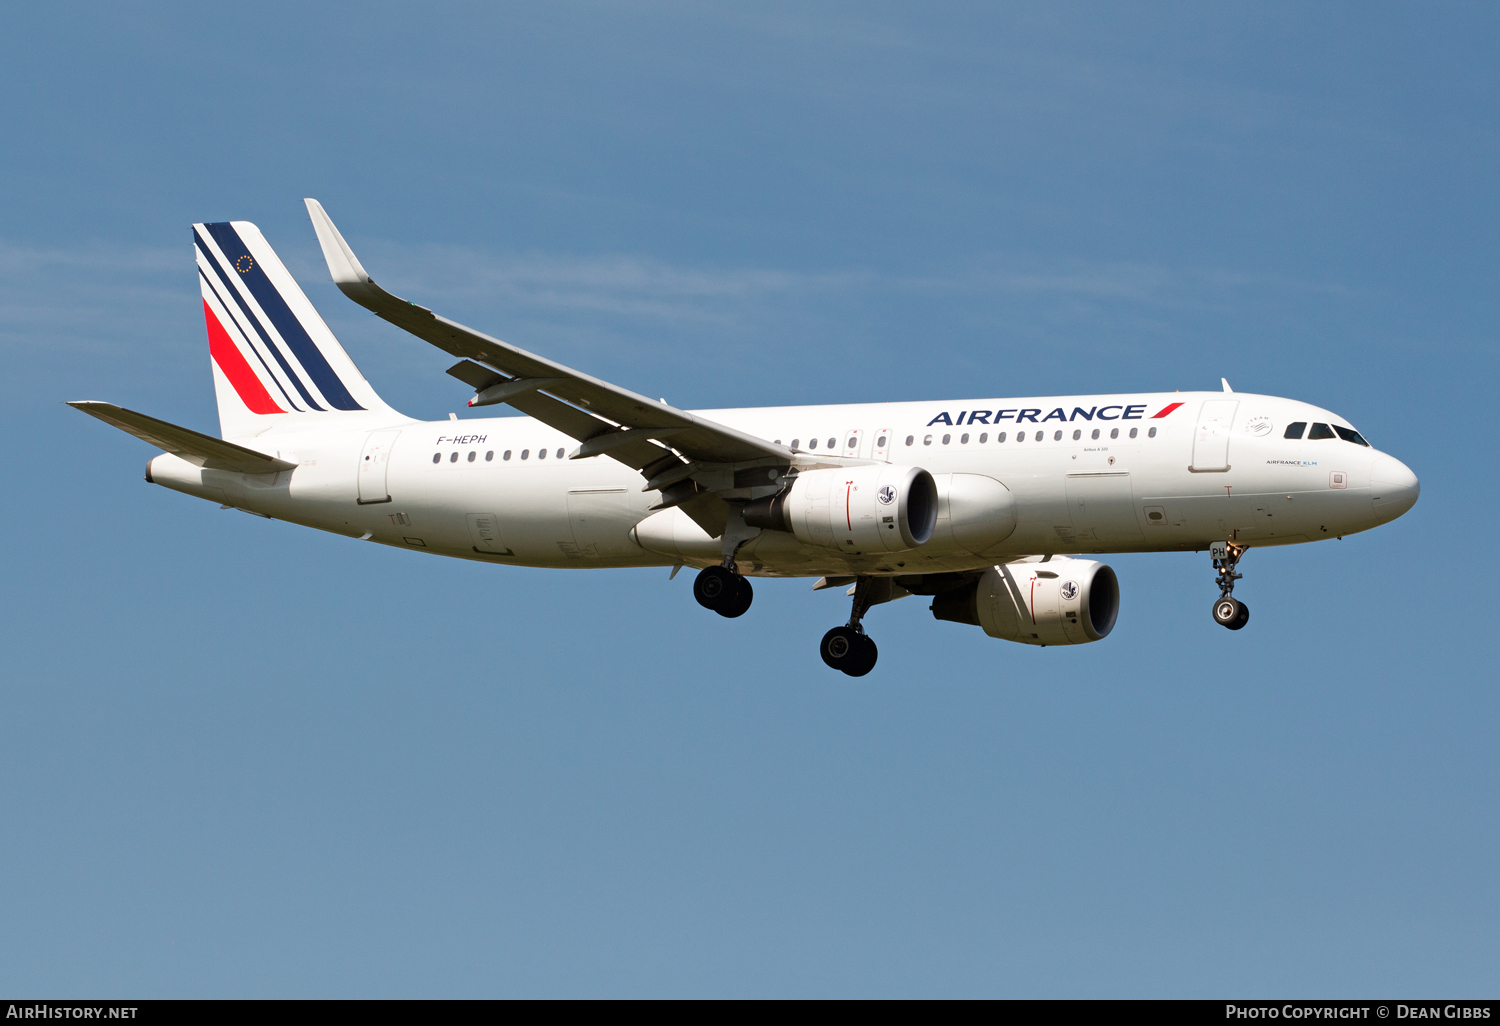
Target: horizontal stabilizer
x=197 y=448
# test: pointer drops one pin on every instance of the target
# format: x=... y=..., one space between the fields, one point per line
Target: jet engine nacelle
x=1060 y=602
x=879 y=508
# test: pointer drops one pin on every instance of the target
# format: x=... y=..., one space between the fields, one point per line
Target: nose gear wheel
x=1231 y=613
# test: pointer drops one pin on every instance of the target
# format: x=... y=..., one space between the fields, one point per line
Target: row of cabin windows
x=984 y=437
x=1320 y=431
x=1057 y=436
x=489 y=457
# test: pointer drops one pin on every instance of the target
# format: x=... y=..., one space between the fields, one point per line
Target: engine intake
x=853 y=509
x=1063 y=601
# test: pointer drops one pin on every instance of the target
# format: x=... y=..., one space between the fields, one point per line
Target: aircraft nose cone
x=1393 y=487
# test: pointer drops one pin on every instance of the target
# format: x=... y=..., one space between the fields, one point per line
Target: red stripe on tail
x=236 y=368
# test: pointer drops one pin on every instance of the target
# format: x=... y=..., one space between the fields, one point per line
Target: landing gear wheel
x=849 y=651
x=1231 y=612
x=711 y=585
x=868 y=653
x=737 y=601
x=727 y=594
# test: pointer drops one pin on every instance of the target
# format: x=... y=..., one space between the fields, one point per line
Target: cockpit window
x=1295 y=429
x=1350 y=435
x=1319 y=431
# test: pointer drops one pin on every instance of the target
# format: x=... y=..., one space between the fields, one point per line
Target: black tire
x=866 y=654
x=1242 y=619
x=737 y=600
x=712 y=587
x=1227 y=613
x=840 y=648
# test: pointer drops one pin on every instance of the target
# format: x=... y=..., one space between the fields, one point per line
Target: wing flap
x=197 y=448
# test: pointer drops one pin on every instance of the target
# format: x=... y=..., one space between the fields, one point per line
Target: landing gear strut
x=724 y=591
x=1228 y=611
x=849 y=648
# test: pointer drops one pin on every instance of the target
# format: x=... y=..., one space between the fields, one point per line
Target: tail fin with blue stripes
x=275 y=361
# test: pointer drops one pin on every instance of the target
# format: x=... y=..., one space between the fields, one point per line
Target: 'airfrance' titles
x=1024 y=416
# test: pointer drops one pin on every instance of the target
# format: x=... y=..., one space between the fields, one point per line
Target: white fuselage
x=1110 y=474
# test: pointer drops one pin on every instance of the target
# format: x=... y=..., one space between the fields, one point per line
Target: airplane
x=989 y=507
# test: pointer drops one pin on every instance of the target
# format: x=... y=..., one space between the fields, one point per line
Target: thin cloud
x=96 y=294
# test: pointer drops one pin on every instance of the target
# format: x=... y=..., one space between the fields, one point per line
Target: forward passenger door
x=1211 y=440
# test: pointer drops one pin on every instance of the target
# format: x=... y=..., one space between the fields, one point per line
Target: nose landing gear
x=724 y=591
x=1229 y=611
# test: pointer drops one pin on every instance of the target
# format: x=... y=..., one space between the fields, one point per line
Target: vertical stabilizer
x=275 y=361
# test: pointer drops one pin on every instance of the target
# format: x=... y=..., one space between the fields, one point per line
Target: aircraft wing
x=197 y=448
x=608 y=419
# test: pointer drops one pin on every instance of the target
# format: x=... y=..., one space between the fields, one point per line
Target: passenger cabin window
x=1151 y=433
x=489 y=457
x=559 y=454
x=1094 y=434
x=1057 y=436
x=1000 y=437
x=1350 y=435
x=1114 y=432
x=505 y=455
x=472 y=456
x=437 y=457
x=832 y=442
x=947 y=439
x=525 y=453
x=541 y=454
x=453 y=458
x=880 y=442
x=797 y=441
x=963 y=439
x=1134 y=432
x=812 y=443
x=926 y=439
x=1295 y=429
x=1319 y=431
x=910 y=439
x=984 y=436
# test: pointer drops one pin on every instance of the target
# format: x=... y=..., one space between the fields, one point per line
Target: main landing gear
x=1228 y=611
x=724 y=591
x=849 y=648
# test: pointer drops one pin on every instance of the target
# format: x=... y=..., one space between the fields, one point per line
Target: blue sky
x=242 y=758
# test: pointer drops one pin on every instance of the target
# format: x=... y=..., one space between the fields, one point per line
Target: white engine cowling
x=1060 y=602
x=853 y=509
